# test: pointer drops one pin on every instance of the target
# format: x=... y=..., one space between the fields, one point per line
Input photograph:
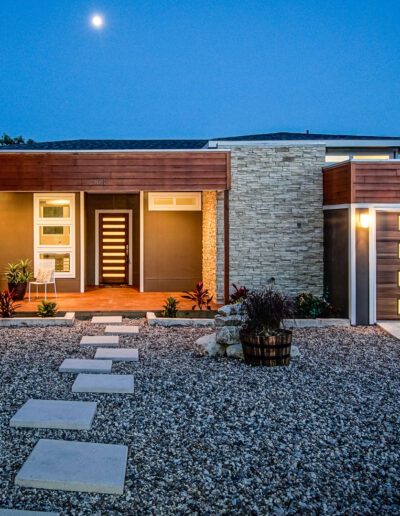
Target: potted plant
x=263 y=339
x=18 y=274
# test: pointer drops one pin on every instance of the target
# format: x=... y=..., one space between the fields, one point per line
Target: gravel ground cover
x=214 y=436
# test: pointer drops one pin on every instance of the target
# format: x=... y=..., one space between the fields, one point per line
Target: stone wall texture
x=210 y=241
x=275 y=218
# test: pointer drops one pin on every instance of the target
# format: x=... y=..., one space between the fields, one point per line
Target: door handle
x=126 y=254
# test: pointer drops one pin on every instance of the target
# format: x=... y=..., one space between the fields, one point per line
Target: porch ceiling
x=114 y=172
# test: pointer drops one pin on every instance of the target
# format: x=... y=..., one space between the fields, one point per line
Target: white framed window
x=174 y=201
x=54 y=231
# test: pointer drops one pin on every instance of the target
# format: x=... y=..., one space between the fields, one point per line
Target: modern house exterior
x=316 y=212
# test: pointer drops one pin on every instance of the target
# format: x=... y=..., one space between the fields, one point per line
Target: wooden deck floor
x=107 y=300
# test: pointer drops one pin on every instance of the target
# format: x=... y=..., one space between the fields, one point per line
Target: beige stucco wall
x=275 y=218
x=209 y=249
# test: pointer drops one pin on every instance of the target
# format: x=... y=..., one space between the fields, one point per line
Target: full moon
x=97 y=21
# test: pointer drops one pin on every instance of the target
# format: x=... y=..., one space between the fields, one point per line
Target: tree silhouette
x=8 y=140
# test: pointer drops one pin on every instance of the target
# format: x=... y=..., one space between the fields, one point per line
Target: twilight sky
x=194 y=69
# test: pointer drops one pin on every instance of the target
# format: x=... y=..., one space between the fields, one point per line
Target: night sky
x=195 y=69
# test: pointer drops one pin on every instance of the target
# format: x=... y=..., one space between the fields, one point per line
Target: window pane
x=54 y=235
x=163 y=201
x=54 y=209
x=335 y=158
x=370 y=156
x=63 y=260
x=186 y=201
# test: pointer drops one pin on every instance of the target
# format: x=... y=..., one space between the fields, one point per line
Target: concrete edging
x=39 y=322
x=153 y=320
x=315 y=323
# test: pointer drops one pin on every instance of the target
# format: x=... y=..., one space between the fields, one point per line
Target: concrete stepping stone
x=122 y=330
x=99 y=341
x=106 y=319
x=68 y=415
x=79 y=365
x=75 y=466
x=19 y=512
x=104 y=383
x=117 y=354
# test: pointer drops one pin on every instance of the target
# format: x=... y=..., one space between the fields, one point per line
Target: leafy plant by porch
x=18 y=274
x=47 y=309
x=238 y=295
x=7 y=304
x=200 y=296
x=170 y=307
x=309 y=306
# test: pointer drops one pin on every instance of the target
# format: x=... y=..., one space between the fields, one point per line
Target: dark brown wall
x=336 y=261
x=172 y=249
x=16 y=235
x=112 y=202
x=362 y=271
x=114 y=171
x=337 y=184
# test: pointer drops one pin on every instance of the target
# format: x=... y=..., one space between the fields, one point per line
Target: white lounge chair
x=45 y=276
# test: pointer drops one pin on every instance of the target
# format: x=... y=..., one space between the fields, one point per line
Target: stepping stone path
x=75 y=466
x=104 y=383
x=107 y=319
x=68 y=415
x=122 y=330
x=79 y=365
x=99 y=341
x=117 y=354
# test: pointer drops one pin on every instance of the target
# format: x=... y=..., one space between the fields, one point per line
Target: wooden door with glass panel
x=114 y=248
x=387 y=265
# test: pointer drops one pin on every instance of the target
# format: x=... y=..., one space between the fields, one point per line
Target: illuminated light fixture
x=97 y=21
x=364 y=220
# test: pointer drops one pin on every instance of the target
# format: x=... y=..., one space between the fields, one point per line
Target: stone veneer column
x=276 y=218
x=210 y=241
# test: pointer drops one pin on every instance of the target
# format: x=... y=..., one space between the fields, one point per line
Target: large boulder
x=295 y=352
x=228 y=310
x=208 y=346
x=228 y=320
x=235 y=351
x=228 y=335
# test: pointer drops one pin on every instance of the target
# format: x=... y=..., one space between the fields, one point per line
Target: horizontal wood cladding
x=362 y=182
x=376 y=182
x=114 y=172
x=337 y=185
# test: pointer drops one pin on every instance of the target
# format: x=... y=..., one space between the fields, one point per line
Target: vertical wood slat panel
x=123 y=244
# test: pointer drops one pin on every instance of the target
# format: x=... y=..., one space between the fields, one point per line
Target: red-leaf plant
x=200 y=296
x=7 y=304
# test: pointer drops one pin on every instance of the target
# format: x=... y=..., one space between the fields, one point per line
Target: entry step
x=99 y=341
x=104 y=383
x=122 y=330
x=82 y=365
x=117 y=354
x=106 y=319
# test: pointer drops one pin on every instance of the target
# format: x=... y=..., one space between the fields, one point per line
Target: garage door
x=387 y=265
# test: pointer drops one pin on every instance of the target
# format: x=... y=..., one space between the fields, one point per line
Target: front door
x=387 y=265
x=114 y=248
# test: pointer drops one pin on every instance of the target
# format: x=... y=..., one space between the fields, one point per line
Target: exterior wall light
x=364 y=220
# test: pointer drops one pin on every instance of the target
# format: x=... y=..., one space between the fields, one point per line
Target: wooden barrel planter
x=268 y=351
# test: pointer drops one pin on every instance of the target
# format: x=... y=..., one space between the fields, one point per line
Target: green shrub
x=309 y=306
x=170 y=307
x=47 y=309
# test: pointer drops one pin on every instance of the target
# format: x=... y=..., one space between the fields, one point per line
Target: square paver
x=122 y=330
x=68 y=415
x=75 y=466
x=79 y=365
x=107 y=319
x=117 y=354
x=99 y=341
x=104 y=383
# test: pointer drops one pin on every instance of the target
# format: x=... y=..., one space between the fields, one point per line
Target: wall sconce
x=364 y=220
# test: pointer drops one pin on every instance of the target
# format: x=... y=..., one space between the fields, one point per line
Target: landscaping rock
x=230 y=320
x=207 y=345
x=228 y=335
x=295 y=352
x=235 y=351
x=229 y=310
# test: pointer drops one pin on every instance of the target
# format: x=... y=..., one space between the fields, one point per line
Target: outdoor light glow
x=364 y=220
x=97 y=21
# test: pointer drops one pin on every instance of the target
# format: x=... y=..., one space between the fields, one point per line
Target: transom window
x=175 y=201
x=54 y=232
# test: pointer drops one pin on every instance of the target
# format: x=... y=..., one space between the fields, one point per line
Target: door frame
x=96 y=247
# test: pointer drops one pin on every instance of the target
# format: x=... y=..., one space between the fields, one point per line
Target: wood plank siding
x=114 y=172
x=362 y=182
